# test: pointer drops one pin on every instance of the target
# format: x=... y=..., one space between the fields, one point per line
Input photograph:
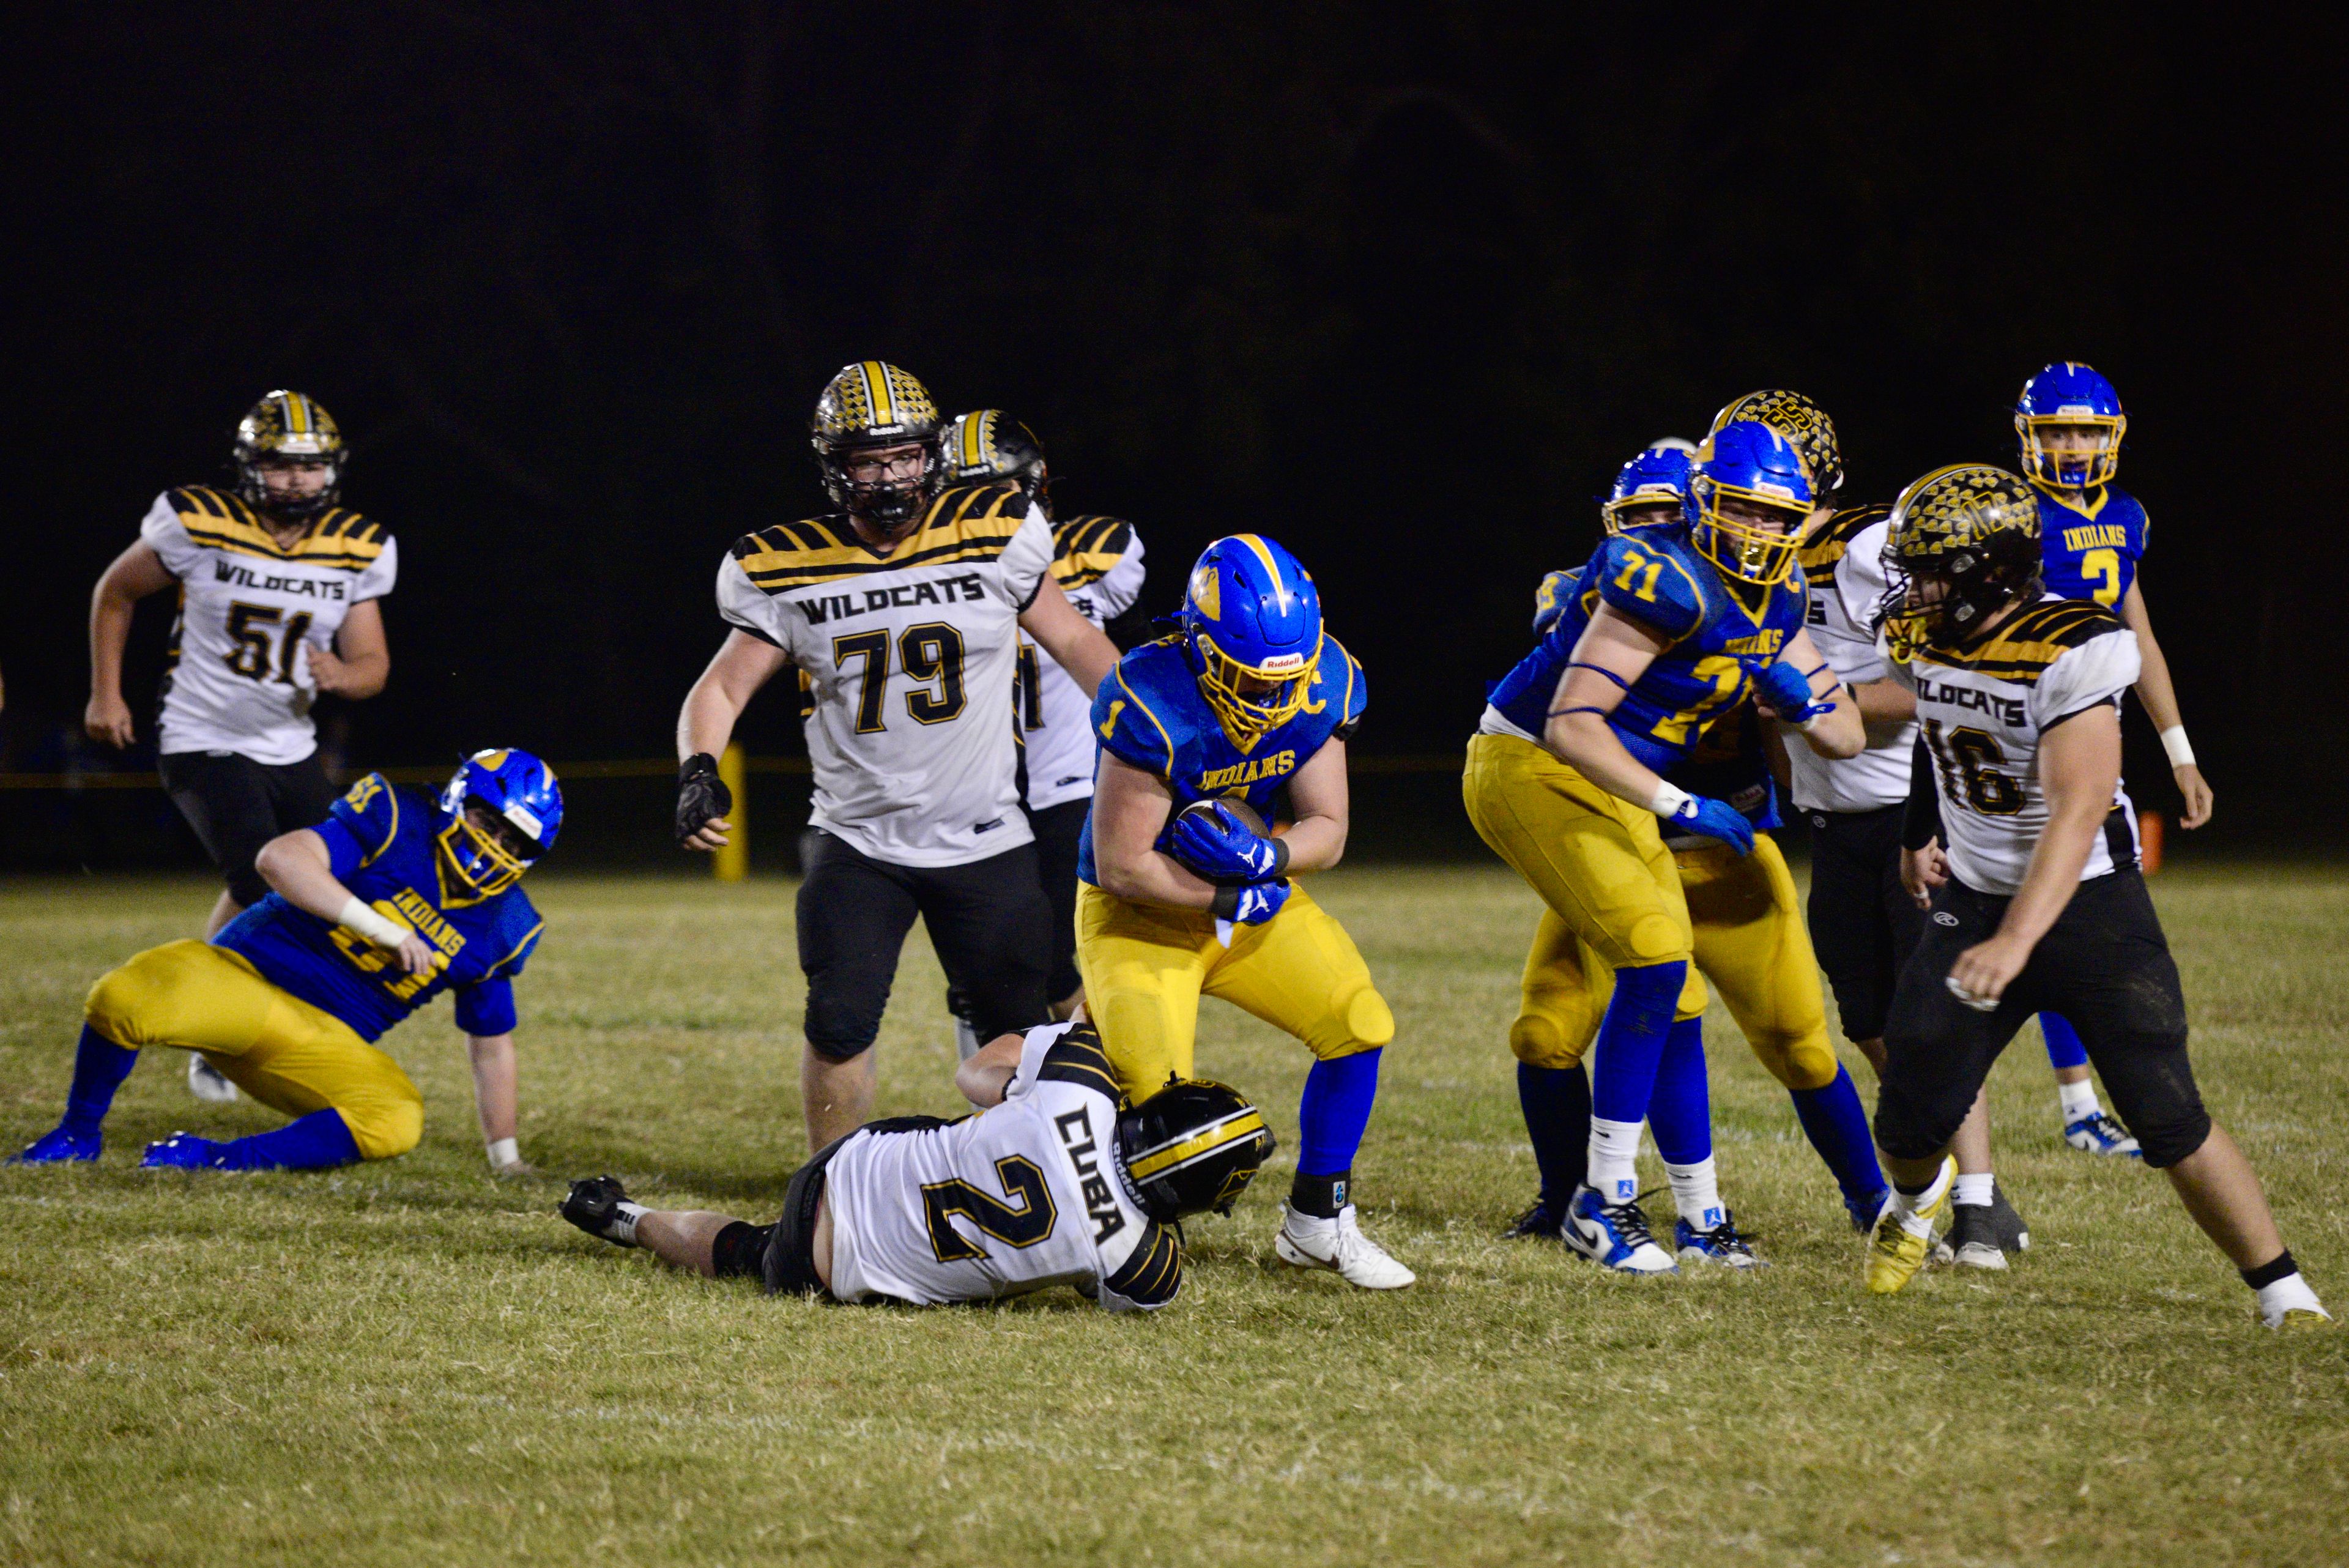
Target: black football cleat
x=1539 y=1223
x=593 y=1205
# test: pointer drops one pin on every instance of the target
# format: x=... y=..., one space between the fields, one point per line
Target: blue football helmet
x=1746 y=462
x=520 y=790
x=1657 y=477
x=1251 y=621
x=2070 y=393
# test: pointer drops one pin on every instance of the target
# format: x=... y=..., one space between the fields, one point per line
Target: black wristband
x=1280 y=859
x=701 y=765
x=1228 y=903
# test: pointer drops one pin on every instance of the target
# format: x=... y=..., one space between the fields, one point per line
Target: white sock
x=1908 y=1203
x=2079 y=1100
x=1615 y=1160
x=622 y=1227
x=1973 y=1191
x=967 y=1040
x=2283 y=1296
x=1696 y=1192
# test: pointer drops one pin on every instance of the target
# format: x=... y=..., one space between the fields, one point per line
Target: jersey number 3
x=2107 y=565
x=1023 y=1226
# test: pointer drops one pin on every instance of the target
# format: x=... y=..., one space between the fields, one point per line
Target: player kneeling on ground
x=1057 y=1181
x=394 y=898
x=2022 y=845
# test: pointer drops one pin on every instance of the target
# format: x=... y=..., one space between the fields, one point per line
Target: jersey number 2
x=927 y=652
x=1024 y=1226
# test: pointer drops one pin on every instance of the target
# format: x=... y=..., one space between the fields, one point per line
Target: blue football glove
x=1251 y=906
x=1714 y=819
x=1788 y=689
x=1218 y=846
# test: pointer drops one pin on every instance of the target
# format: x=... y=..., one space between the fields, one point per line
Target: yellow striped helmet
x=288 y=426
x=870 y=404
x=989 y=443
x=1805 y=425
x=1192 y=1146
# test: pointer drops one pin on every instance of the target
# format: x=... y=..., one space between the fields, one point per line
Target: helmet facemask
x=478 y=857
x=886 y=503
x=1251 y=701
x=1964 y=545
x=2072 y=468
x=1750 y=551
x=290 y=429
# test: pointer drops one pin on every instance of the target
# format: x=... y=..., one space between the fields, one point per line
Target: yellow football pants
x=1750 y=942
x=286 y=1054
x=1144 y=967
x=1601 y=866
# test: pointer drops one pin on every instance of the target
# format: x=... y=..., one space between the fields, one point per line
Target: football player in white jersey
x=903 y=614
x=1097 y=561
x=2022 y=844
x=278 y=585
x=1056 y=1181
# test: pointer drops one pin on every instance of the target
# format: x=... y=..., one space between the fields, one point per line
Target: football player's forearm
x=2054 y=875
x=296 y=865
x=495 y=1085
x=2153 y=684
x=1151 y=877
x=705 y=722
x=1587 y=743
x=1315 y=843
x=1885 y=702
x=109 y=629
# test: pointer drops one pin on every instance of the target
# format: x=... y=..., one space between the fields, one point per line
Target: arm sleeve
x=1020 y=571
x=741 y=604
x=164 y=534
x=369 y=816
x=2098 y=670
x=375 y=582
x=1651 y=587
x=1923 y=823
x=1128 y=730
x=1857 y=584
x=486 y=1007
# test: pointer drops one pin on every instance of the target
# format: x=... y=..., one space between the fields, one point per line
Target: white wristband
x=2173 y=741
x=1669 y=799
x=373 y=924
x=504 y=1152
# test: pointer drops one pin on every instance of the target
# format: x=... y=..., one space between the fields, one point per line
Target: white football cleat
x=2099 y=1133
x=1338 y=1244
x=1614 y=1235
x=204 y=1081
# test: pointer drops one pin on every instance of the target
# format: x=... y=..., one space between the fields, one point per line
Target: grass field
x=413 y=1362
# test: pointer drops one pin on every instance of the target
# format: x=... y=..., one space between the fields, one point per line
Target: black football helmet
x=291 y=428
x=1805 y=425
x=874 y=404
x=1192 y=1146
x=1963 y=545
x=989 y=444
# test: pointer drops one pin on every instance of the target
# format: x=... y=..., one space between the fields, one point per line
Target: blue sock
x=1679 y=1111
x=314 y=1142
x=1331 y=1116
x=1557 y=1104
x=1837 y=1124
x=1632 y=1038
x=100 y=1067
x=2063 y=1047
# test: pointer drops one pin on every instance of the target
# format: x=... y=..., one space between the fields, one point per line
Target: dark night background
x=1398 y=284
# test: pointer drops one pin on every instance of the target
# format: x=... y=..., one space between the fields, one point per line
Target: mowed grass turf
x=413 y=1362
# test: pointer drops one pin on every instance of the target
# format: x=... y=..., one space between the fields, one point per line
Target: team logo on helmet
x=1963 y=541
x=872 y=404
x=1750 y=467
x=288 y=426
x=2070 y=396
x=1803 y=423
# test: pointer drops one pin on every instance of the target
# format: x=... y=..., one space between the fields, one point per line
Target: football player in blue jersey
x=397 y=896
x=2069 y=422
x=1564 y=778
x=1249 y=702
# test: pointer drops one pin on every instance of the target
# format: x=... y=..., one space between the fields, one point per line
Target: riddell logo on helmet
x=1282 y=663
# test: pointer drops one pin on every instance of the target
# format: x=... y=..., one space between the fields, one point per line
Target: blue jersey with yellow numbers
x=381 y=840
x=1654 y=577
x=2091 y=548
x=1149 y=713
x=1729 y=761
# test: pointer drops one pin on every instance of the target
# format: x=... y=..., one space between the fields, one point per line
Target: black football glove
x=702 y=794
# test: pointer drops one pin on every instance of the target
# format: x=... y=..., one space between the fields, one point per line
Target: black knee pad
x=844 y=1014
x=740 y=1249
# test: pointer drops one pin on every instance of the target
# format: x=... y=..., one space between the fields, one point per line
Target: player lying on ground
x=2023 y=842
x=1180 y=894
x=1056 y=1181
x=396 y=897
x=1565 y=783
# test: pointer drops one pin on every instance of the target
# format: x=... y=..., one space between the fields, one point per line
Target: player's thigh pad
x=1143 y=967
x=1753 y=946
x=1299 y=971
x=1937 y=1051
x=1596 y=860
x=853 y=917
x=1563 y=996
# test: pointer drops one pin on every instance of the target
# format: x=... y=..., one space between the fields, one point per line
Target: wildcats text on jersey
x=965 y=589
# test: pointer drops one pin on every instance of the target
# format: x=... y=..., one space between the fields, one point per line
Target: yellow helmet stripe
x=974 y=438
x=1279 y=584
x=1158 y=1161
x=877 y=392
x=298 y=414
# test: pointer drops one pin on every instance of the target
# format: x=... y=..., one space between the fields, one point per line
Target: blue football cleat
x=1724 y=1245
x=1865 y=1210
x=181 y=1151
x=59 y=1147
x=1614 y=1235
x=2099 y=1133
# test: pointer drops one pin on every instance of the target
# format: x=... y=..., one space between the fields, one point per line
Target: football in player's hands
x=1224 y=841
